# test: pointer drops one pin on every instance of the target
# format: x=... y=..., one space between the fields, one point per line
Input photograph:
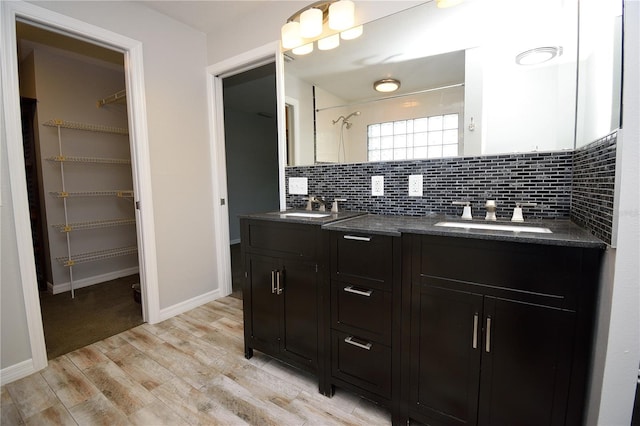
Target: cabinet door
x=526 y=364
x=299 y=293
x=445 y=355
x=264 y=313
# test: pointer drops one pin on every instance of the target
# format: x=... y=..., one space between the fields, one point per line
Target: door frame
x=215 y=73
x=10 y=11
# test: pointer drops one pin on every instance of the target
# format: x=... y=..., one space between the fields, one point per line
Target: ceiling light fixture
x=387 y=85
x=538 y=55
x=325 y=21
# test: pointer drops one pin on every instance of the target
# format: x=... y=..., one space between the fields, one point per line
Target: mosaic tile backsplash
x=593 y=185
x=542 y=178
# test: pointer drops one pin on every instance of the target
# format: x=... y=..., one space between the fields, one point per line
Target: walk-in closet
x=80 y=184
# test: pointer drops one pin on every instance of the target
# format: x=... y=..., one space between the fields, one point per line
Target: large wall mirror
x=464 y=89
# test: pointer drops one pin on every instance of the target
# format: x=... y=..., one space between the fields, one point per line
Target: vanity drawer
x=362 y=260
x=361 y=362
x=292 y=239
x=541 y=274
x=361 y=310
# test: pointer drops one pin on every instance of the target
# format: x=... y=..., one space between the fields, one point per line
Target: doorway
x=251 y=151
x=79 y=186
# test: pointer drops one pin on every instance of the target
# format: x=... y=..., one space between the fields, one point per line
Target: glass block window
x=428 y=137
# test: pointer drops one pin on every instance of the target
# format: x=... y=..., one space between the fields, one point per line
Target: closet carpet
x=97 y=312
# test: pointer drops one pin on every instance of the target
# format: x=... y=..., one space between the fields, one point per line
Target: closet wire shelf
x=96 y=224
x=113 y=193
x=85 y=126
x=93 y=160
x=96 y=255
x=119 y=96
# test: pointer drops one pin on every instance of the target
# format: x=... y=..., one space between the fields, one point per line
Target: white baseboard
x=16 y=371
x=187 y=305
x=96 y=279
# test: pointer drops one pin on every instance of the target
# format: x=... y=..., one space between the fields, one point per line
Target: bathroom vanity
x=443 y=325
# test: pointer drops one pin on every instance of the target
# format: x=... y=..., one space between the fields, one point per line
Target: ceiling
x=207 y=15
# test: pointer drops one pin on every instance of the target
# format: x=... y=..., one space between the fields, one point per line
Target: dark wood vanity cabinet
x=283 y=297
x=364 y=285
x=499 y=332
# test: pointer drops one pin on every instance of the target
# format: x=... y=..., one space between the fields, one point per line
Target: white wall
x=618 y=367
x=177 y=118
x=14 y=333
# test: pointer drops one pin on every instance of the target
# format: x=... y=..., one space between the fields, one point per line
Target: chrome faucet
x=312 y=199
x=491 y=206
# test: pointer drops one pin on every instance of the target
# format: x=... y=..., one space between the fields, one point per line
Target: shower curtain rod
x=418 y=92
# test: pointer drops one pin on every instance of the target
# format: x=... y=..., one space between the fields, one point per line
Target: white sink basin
x=302 y=214
x=495 y=227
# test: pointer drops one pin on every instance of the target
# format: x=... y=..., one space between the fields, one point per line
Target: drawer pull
x=357 y=238
x=350 y=341
x=475 y=331
x=350 y=289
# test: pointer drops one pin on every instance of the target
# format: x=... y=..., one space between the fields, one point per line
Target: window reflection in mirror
x=503 y=107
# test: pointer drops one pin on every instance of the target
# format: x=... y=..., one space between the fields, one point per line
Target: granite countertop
x=297 y=216
x=563 y=232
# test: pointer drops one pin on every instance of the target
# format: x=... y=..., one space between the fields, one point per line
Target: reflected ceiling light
x=441 y=4
x=352 y=33
x=308 y=24
x=329 y=43
x=387 y=85
x=305 y=49
x=538 y=55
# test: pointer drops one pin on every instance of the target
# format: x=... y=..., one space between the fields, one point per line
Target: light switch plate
x=377 y=186
x=415 y=185
x=298 y=186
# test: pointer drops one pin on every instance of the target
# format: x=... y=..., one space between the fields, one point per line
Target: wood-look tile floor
x=187 y=370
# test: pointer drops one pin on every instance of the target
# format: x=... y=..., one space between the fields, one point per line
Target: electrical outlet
x=377 y=186
x=298 y=186
x=415 y=185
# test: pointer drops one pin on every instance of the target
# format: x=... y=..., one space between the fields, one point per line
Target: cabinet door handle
x=350 y=289
x=350 y=341
x=357 y=238
x=487 y=346
x=273 y=282
x=278 y=287
x=475 y=331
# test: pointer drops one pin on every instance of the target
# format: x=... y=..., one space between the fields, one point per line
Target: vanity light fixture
x=326 y=21
x=538 y=55
x=387 y=85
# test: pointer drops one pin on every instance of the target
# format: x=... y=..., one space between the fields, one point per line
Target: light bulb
x=341 y=15
x=290 y=34
x=311 y=23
